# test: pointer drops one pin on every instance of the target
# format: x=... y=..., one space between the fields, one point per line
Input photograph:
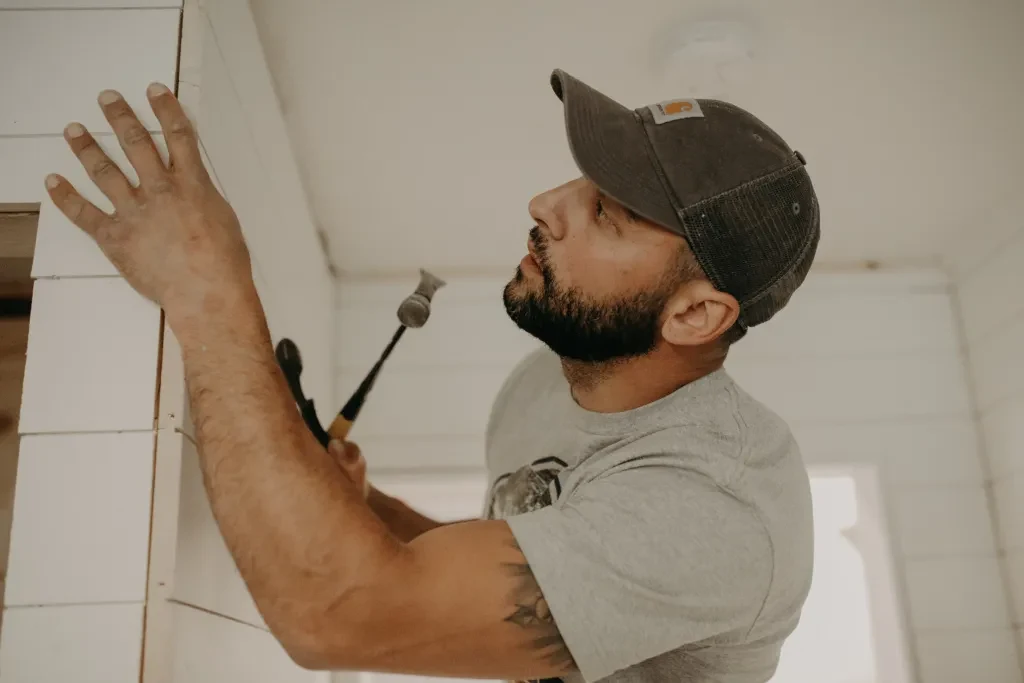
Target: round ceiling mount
x=718 y=41
x=706 y=56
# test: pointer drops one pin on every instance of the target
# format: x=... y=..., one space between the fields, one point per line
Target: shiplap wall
x=989 y=276
x=866 y=367
x=77 y=569
x=115 y=563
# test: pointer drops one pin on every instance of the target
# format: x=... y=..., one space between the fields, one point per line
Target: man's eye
x=600 y=208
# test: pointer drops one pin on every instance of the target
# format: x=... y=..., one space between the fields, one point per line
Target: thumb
x=344 y=453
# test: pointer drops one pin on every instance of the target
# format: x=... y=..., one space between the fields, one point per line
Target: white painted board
x=205 y=574
x=943 y=521
x=81 y=519
x=80 y=643
x=57 y=62
x=92 y=358
x=88 y=4
x=979 y=656
x=956 y=593
x=212 y=649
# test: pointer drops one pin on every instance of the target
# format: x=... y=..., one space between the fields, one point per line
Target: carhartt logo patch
x=671 y=110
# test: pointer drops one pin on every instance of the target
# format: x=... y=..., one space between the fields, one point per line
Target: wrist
x=203 y=317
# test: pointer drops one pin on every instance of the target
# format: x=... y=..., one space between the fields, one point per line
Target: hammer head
x=415 y=309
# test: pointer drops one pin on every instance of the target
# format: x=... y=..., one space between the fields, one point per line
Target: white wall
x=989 y=281
x=76 y=585
x=101 y=585
x=866 y=368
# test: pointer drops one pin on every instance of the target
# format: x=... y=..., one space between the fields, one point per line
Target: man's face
x=596 y=281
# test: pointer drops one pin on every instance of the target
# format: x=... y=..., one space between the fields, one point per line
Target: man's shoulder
x=720 y=431
x=717 y=412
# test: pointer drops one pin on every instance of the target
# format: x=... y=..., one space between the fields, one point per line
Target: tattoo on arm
x=530 y=612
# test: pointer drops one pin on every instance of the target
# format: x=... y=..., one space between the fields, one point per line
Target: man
x=647 y=520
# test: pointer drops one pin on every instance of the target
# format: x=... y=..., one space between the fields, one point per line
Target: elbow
x=332 y=636
x=314 y=657
x=338 y=624
x=307 y=655
x=313 y=650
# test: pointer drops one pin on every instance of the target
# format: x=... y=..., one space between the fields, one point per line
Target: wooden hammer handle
x=339 y=428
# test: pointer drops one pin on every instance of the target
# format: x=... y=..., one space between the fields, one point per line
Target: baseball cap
x=710 y=172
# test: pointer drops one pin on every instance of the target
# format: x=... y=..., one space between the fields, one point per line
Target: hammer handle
x=343 y=422
x=339 y=428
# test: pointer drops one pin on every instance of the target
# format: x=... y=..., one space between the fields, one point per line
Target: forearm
x=402 y=520
x=297 y=527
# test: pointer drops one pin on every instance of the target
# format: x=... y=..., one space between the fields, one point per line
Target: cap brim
x=610 y=147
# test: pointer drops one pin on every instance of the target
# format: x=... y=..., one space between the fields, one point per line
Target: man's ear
x=698 y=314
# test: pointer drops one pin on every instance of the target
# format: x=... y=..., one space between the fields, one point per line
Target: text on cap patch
x=670 y=110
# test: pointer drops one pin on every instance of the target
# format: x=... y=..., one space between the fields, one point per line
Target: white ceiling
x=423 y=128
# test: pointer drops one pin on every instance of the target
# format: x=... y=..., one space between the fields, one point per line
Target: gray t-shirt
x=672 y=542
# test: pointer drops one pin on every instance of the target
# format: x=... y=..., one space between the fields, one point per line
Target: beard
x=579 y=328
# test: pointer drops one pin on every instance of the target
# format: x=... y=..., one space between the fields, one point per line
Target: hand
x=174 y=238
x=350 y=458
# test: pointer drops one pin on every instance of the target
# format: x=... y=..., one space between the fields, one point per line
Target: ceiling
x=423 y=129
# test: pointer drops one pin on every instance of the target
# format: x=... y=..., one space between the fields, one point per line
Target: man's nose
x=548 y=210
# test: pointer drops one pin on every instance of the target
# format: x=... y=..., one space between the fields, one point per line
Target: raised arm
x=334 y=585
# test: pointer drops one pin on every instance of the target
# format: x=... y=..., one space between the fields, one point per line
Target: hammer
x=412 y=312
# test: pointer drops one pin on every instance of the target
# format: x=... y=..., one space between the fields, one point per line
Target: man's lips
x=530 y=261
x=532 y=252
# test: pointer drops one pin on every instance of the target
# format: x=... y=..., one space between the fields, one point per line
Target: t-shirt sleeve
x=643 y=561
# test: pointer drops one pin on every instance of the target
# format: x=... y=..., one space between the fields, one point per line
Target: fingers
x=182 y=141
x=104 y=172
x=135 y=140
x=78 y=210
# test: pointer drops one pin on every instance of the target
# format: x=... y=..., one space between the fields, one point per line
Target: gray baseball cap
x=710 y=172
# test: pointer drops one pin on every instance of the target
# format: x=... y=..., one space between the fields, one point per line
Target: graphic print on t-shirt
x=529 y=488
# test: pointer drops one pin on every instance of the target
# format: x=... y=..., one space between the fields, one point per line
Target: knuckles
x=159 y=186
x=73 y=208
x=136 y=134
x=103 y=167
x=180 y=128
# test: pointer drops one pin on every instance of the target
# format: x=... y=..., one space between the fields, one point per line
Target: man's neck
x=618 y=386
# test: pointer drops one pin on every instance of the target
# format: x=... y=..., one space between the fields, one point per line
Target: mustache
x=539 y=243
x=540 y=247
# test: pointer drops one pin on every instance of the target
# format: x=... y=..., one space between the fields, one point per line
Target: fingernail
x=157 y=89
x=335 y=447
x=52 y=181
x=109 y=96
x=75 y=130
